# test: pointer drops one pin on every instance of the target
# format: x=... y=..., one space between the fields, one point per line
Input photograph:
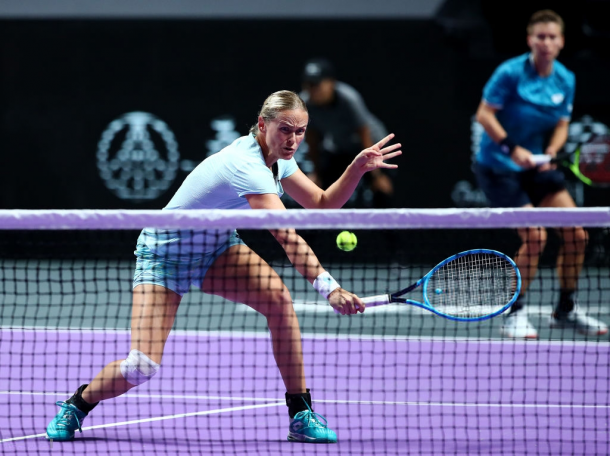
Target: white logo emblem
x=138 y=156
x=557 y=98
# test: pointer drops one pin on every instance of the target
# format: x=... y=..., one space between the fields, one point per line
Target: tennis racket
x=470 y=286
x=590 y=161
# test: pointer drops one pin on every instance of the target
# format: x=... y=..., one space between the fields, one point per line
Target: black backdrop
x=63 y=82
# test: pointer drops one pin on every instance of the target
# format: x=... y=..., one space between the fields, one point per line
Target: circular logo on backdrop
x=137 y=156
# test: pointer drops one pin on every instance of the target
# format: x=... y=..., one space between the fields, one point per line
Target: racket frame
x=570 y=160
x=378 y=300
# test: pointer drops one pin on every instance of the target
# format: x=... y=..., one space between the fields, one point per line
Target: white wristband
x=325 y=284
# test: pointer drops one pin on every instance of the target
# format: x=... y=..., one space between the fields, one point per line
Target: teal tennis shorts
x=176 y=274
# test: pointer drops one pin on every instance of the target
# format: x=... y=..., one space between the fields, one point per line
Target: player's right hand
x=345 y=303
x=523 y=157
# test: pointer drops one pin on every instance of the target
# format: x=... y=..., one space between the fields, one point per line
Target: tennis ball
x=346 y=241
x=438 y=291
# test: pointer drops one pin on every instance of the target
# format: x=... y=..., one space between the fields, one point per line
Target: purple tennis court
x=395 y=379
x=381 y=395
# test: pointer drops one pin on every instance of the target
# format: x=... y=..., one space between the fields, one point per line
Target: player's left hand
x=375 y=156
x=345 y=303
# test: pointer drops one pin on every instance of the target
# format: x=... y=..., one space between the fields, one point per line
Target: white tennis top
x=221 y=181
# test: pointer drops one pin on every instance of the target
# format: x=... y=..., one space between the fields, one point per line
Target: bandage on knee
x=138 y=368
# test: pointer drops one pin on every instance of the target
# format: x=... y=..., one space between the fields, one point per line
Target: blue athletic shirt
x=529 y=107
x=221 y=181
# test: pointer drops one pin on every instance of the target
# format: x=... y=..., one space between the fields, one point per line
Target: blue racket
x=469 y=286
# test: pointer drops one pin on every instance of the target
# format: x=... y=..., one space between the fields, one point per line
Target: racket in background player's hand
x=469 y=286
x=590 y=161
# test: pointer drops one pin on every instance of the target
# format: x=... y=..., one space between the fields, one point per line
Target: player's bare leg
x=570 y=261
x=240 y=275
x=572 y=253
x=533 y=240
x=153 y=313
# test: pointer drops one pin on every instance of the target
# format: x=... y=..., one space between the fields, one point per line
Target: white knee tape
x=138 y=368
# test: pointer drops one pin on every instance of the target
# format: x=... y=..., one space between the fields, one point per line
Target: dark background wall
x=64 y=81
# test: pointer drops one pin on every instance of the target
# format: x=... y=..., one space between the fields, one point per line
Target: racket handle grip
x=372 y=301
x=541 y=159
x=379 y=300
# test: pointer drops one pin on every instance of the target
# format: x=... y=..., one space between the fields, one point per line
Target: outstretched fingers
x=384 y=141
x=391 y=148
x=383 y=164
x=375 y=156
x=387 y=153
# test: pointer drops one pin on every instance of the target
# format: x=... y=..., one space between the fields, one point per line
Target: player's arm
x=486 y=116
x=310 y=196
x=560 y=134
x=298 y=251
x=302 y=256
x=558 y=138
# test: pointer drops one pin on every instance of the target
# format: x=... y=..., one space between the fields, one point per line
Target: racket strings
x=594 y=160
x=472 y=285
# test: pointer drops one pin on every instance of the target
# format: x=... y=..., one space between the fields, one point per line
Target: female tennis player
x=251 y=172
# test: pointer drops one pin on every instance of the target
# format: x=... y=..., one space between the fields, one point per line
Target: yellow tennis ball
x=346 y=241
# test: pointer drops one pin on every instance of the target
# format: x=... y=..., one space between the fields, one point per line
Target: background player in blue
x=525 y=110
x=250 y=173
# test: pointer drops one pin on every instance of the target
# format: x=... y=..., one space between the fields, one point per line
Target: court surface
x=390 y=381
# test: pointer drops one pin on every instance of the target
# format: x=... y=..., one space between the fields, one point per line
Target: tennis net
x=396 y=379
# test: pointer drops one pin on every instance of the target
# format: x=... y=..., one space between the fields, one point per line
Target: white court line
x=277 y=404
x=158 y=418
x=319 y=336
x=331 y=401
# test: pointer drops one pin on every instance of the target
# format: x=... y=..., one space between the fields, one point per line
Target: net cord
x=303 y=218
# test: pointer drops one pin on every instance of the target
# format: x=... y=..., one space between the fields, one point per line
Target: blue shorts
x=176 y=274
x=516 y=189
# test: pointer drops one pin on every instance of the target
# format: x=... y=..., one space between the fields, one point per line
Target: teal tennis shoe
x=66 y=422
x=310 y=427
